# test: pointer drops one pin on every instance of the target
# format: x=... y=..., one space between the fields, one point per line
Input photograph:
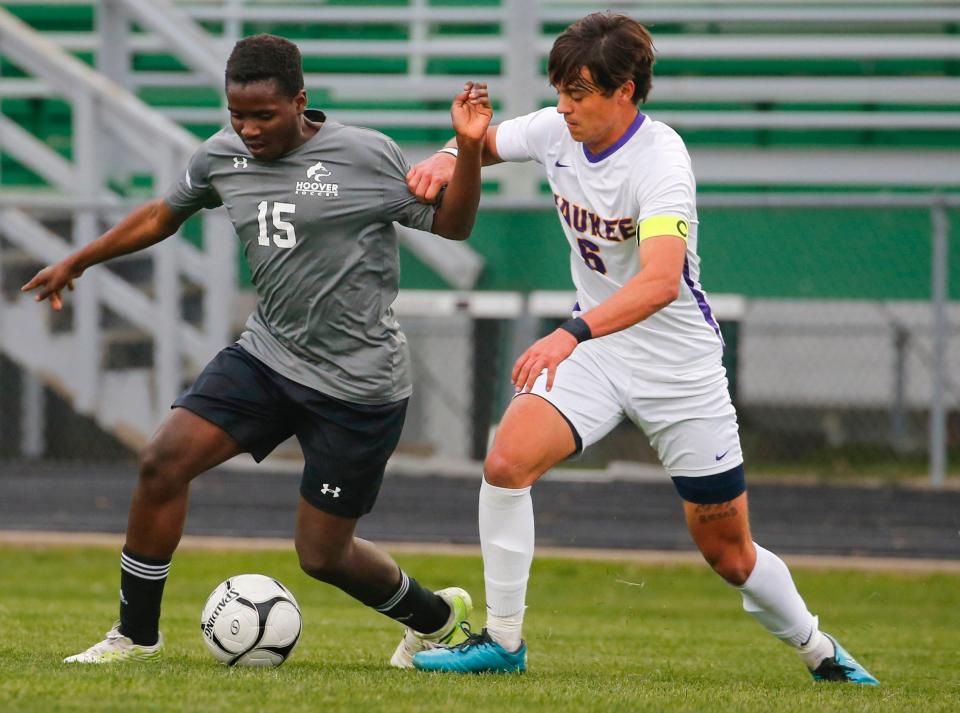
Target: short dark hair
x=264 y=57
x=615 y=48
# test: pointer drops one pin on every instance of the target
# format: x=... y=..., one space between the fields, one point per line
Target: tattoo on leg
x=715 y=511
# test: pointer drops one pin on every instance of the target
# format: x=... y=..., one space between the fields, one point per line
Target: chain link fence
x=840 y=361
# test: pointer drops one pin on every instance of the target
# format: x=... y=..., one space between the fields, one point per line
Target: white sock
x=506 y=539
x=816 y=649
x=506 y=630
x=771 y=597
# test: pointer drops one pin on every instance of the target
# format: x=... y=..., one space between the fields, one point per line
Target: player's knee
x=158 y=473
x=321 y=562
x=151 y=463
x=734 y=564
x=504 y=471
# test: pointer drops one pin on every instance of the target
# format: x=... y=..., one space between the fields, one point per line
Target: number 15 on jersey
x=281 y=241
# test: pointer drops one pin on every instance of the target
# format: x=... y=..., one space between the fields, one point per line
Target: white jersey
x=642 y=186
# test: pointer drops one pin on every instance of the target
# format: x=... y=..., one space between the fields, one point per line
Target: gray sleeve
x=193 y=190
x=398 y=202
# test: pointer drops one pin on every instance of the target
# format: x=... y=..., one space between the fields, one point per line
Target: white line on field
x=899 y=565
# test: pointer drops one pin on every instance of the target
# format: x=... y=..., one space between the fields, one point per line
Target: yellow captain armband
x=662 y=225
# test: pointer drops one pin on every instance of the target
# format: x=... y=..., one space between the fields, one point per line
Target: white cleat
x=412 y=643
x=117 y=648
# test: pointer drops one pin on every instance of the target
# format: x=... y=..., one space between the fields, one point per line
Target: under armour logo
x=328 y=489
x=239 y=161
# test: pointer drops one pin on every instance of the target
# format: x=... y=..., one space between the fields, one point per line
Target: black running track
x=834 y=520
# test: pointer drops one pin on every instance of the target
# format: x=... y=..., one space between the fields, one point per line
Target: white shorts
x=687 y=416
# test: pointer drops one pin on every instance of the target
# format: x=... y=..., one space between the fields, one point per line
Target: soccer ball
x=251 y=620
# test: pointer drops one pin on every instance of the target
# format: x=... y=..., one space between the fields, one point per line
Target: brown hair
x=615 y=48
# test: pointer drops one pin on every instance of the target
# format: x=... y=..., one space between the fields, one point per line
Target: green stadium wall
x=762 y=252
x=768 y=253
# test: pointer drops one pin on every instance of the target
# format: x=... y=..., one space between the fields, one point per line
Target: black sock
x=417 y=607
x=141 y=589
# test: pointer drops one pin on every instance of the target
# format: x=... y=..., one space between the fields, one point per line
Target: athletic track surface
x=433 y=512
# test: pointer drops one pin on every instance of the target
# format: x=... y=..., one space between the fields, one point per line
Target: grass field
x=603 y=636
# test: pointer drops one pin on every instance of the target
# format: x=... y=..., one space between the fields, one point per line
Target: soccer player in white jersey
x=642 y=344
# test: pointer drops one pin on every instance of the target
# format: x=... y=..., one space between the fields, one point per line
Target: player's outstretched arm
x=653 y=288
x=143 y=227
x=426 y=178
x=471 y=113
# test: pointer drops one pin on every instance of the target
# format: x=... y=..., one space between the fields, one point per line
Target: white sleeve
x=527 y=137
x=669 y=190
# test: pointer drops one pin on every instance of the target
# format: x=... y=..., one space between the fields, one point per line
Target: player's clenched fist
x=430 y=175
x=471 y=112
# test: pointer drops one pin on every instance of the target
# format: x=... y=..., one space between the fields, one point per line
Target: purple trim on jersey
x=576 y=307
x=701 y=300
x=631 y=130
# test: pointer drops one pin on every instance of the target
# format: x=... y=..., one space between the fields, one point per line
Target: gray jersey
x=317 y=229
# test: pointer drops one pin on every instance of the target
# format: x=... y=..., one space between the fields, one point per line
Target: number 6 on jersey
x=278 y=222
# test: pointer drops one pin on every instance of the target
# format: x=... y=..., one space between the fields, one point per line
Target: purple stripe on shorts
x=701 y=300
x=631 y=130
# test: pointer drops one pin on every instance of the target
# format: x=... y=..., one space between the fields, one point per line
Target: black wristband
x=578 y=328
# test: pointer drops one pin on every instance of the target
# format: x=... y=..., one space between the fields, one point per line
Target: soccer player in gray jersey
x=313 y=202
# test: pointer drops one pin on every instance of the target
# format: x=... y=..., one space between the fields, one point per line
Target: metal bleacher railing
x=69 y=353
x=514 y=36
x=728 y=68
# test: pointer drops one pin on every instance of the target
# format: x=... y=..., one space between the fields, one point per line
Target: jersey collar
x=610 y=150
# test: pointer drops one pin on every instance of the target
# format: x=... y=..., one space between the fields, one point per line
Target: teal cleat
x=842 y=667
x=478 y=654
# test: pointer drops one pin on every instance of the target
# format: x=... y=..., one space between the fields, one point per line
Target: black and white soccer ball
x=251 y=620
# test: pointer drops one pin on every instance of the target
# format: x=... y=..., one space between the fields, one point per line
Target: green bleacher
x=54 y=121
x=729 y=237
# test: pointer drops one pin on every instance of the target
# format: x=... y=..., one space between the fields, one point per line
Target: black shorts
x=345 y=445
